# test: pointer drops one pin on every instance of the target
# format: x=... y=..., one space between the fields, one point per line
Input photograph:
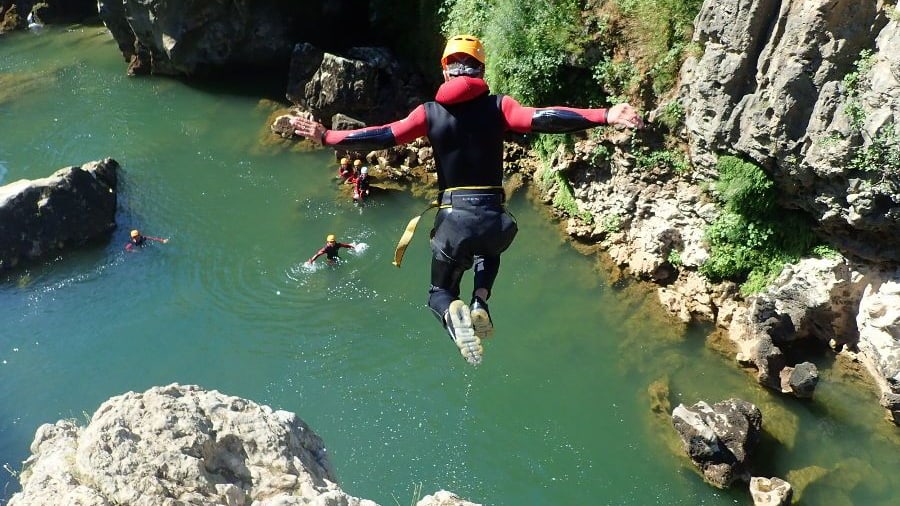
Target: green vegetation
x=752 y=239
x=659 y=31
x=671 y=115
x=611 y=223
x=666 y=158
x=564 y=199
x=675 y=258
x=533 y=48
x=825 y=251
x=852 y=82
x=547 y=52
x=881 y=157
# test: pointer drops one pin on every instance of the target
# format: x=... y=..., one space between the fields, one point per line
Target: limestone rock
x=444 y=498
x=770 y=491
x=370 y=85
x=180 y=444
x=878 y=321
x=719 y=439
x=193 y=37
x=769 y=86
x=176 y=445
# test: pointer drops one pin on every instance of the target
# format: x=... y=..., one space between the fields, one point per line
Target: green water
x=558 y=413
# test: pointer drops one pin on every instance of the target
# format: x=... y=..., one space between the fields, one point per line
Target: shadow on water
x=258 y=82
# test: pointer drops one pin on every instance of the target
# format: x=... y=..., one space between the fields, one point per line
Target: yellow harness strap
x=407 y=236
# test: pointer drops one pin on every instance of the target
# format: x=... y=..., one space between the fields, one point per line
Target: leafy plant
x=852 y=82
x=662 y=29
x=666 y=158
x=674 y=258
x=744 y=188
x=671 y=115
x=611 y=223
x=751 y=240
x=881 y=155
x=826 y=251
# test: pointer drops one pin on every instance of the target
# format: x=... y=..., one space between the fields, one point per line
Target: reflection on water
x=560 y=412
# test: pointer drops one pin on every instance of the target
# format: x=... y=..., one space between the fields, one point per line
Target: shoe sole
x=481 y=321
x=468 y=343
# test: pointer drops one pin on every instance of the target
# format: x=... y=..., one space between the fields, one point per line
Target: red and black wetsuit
x=346 y=173
x=361 y=191
x=140 y=241
x=465 y=125
x=330 y=251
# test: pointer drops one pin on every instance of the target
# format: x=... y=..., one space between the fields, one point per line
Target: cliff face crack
x=227 y=458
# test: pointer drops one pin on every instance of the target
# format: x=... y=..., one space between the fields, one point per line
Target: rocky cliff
x=809 y=90
x=184 y=445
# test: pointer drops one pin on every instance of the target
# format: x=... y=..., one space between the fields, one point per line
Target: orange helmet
x=465 y=44
x=135 y=233
x=345 y=161
x=357 y=163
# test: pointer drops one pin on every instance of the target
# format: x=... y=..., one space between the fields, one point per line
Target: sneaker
x=458 y=323
x=481 y=318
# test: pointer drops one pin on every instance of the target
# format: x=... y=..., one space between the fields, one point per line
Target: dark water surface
x=559 y=413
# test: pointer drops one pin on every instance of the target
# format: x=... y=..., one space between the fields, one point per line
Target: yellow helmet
x=330 y=238
x=135 y=233
x=357 y=163
x=466 y=44
x=345 y=161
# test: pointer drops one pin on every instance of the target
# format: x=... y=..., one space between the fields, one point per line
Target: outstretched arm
x=345 y=245
x=376 y=137
x=523 y=119
x=317 y=255
x=157 y=239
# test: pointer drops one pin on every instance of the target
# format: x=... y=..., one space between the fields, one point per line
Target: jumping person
x=330 y=250
x=139 y=240
x=465 y=125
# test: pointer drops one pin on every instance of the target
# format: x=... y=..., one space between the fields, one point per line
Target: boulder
x=719 y=439
x=444 y=498
x=69 y=208
x=192 y=37
x=368 y=84
x=184 y=445
x=770 y=491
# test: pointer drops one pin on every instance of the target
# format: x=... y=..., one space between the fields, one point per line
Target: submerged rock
x=720 y=438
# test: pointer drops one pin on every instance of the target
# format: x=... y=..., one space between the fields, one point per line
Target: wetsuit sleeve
x=317 y=255
x=553 y=120
x=379 y=137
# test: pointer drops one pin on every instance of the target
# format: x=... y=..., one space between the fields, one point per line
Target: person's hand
x=308 y=128
x=624 y=115
x=165 y=241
